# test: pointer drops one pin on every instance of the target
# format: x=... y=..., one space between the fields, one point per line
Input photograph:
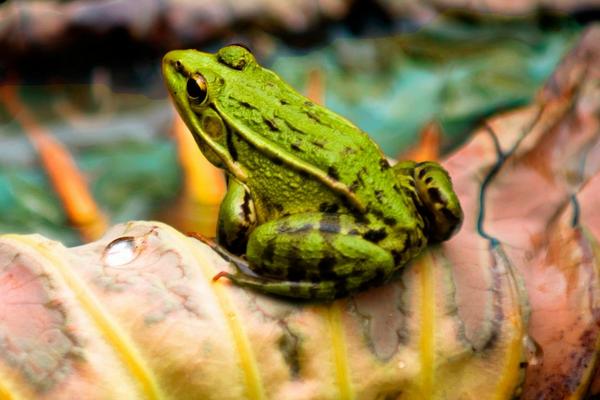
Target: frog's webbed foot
x=437 y=202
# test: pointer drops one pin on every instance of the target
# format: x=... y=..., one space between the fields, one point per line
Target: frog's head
x=195 y=80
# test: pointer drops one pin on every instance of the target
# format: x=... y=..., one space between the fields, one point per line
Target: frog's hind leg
x=317 y=255
x=325 y=290
x=312 y=256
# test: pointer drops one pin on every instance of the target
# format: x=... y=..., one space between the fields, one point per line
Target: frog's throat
x=230 y=164
x=294 y=162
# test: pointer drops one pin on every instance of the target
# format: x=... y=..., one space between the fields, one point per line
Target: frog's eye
x=196 y=89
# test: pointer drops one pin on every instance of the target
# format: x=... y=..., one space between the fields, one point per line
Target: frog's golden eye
x=196 y=89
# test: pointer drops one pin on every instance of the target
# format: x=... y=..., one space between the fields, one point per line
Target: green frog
x=313 y=210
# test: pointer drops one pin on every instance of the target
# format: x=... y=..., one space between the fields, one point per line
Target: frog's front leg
x=433 y=195
x=313 y=256
x=237 y=218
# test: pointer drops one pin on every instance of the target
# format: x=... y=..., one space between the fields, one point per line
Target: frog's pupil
x=194 y=90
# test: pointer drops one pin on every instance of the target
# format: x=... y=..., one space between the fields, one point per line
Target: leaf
x=508 y=306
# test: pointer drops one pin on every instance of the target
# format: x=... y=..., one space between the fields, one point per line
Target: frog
x=314 y=209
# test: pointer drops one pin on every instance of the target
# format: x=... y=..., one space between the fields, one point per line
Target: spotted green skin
x=312 y=201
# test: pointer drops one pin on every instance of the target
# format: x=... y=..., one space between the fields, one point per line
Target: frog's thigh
x=237 y=218
x=317 y=247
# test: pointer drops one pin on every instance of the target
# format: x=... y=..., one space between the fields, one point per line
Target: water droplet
x=533 y=351
x=120 y=251
x=401 y=364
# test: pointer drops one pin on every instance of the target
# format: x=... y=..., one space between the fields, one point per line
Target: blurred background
x=88 y=137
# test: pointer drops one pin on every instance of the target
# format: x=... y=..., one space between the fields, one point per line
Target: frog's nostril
x=178 y=66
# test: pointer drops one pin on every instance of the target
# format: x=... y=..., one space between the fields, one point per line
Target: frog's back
x=264 y=103
x=301 y=129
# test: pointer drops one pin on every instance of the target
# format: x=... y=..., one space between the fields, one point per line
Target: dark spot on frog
x=247 y=105
x=359 y=176
x=326 y=268
x=303 y=174
x=348 y=150
x=319 y=144
x=239 y=242
x=354 y=185
x=230 y=146
x=295 y=147
x=409 y=192
x=422 y=173
x=390 y=221
x=278 y=207
x=398 y=256
x=450 y=216
x=359 y=217
x=268 y=252
x=408 y=242
x=376 y=212
x=384 y=164
x=246 y=205
x=296 y=271
x=375 y=235
x=271 y=124
x=328 y=207
x=397 y=189
x=284 y=102
x=435 y=195
x=333 y=173
x=277 y=160
x=379 y=195
x=308 y=103
x=428 y=180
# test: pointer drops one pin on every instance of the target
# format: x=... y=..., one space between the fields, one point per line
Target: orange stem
x=68 y=182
